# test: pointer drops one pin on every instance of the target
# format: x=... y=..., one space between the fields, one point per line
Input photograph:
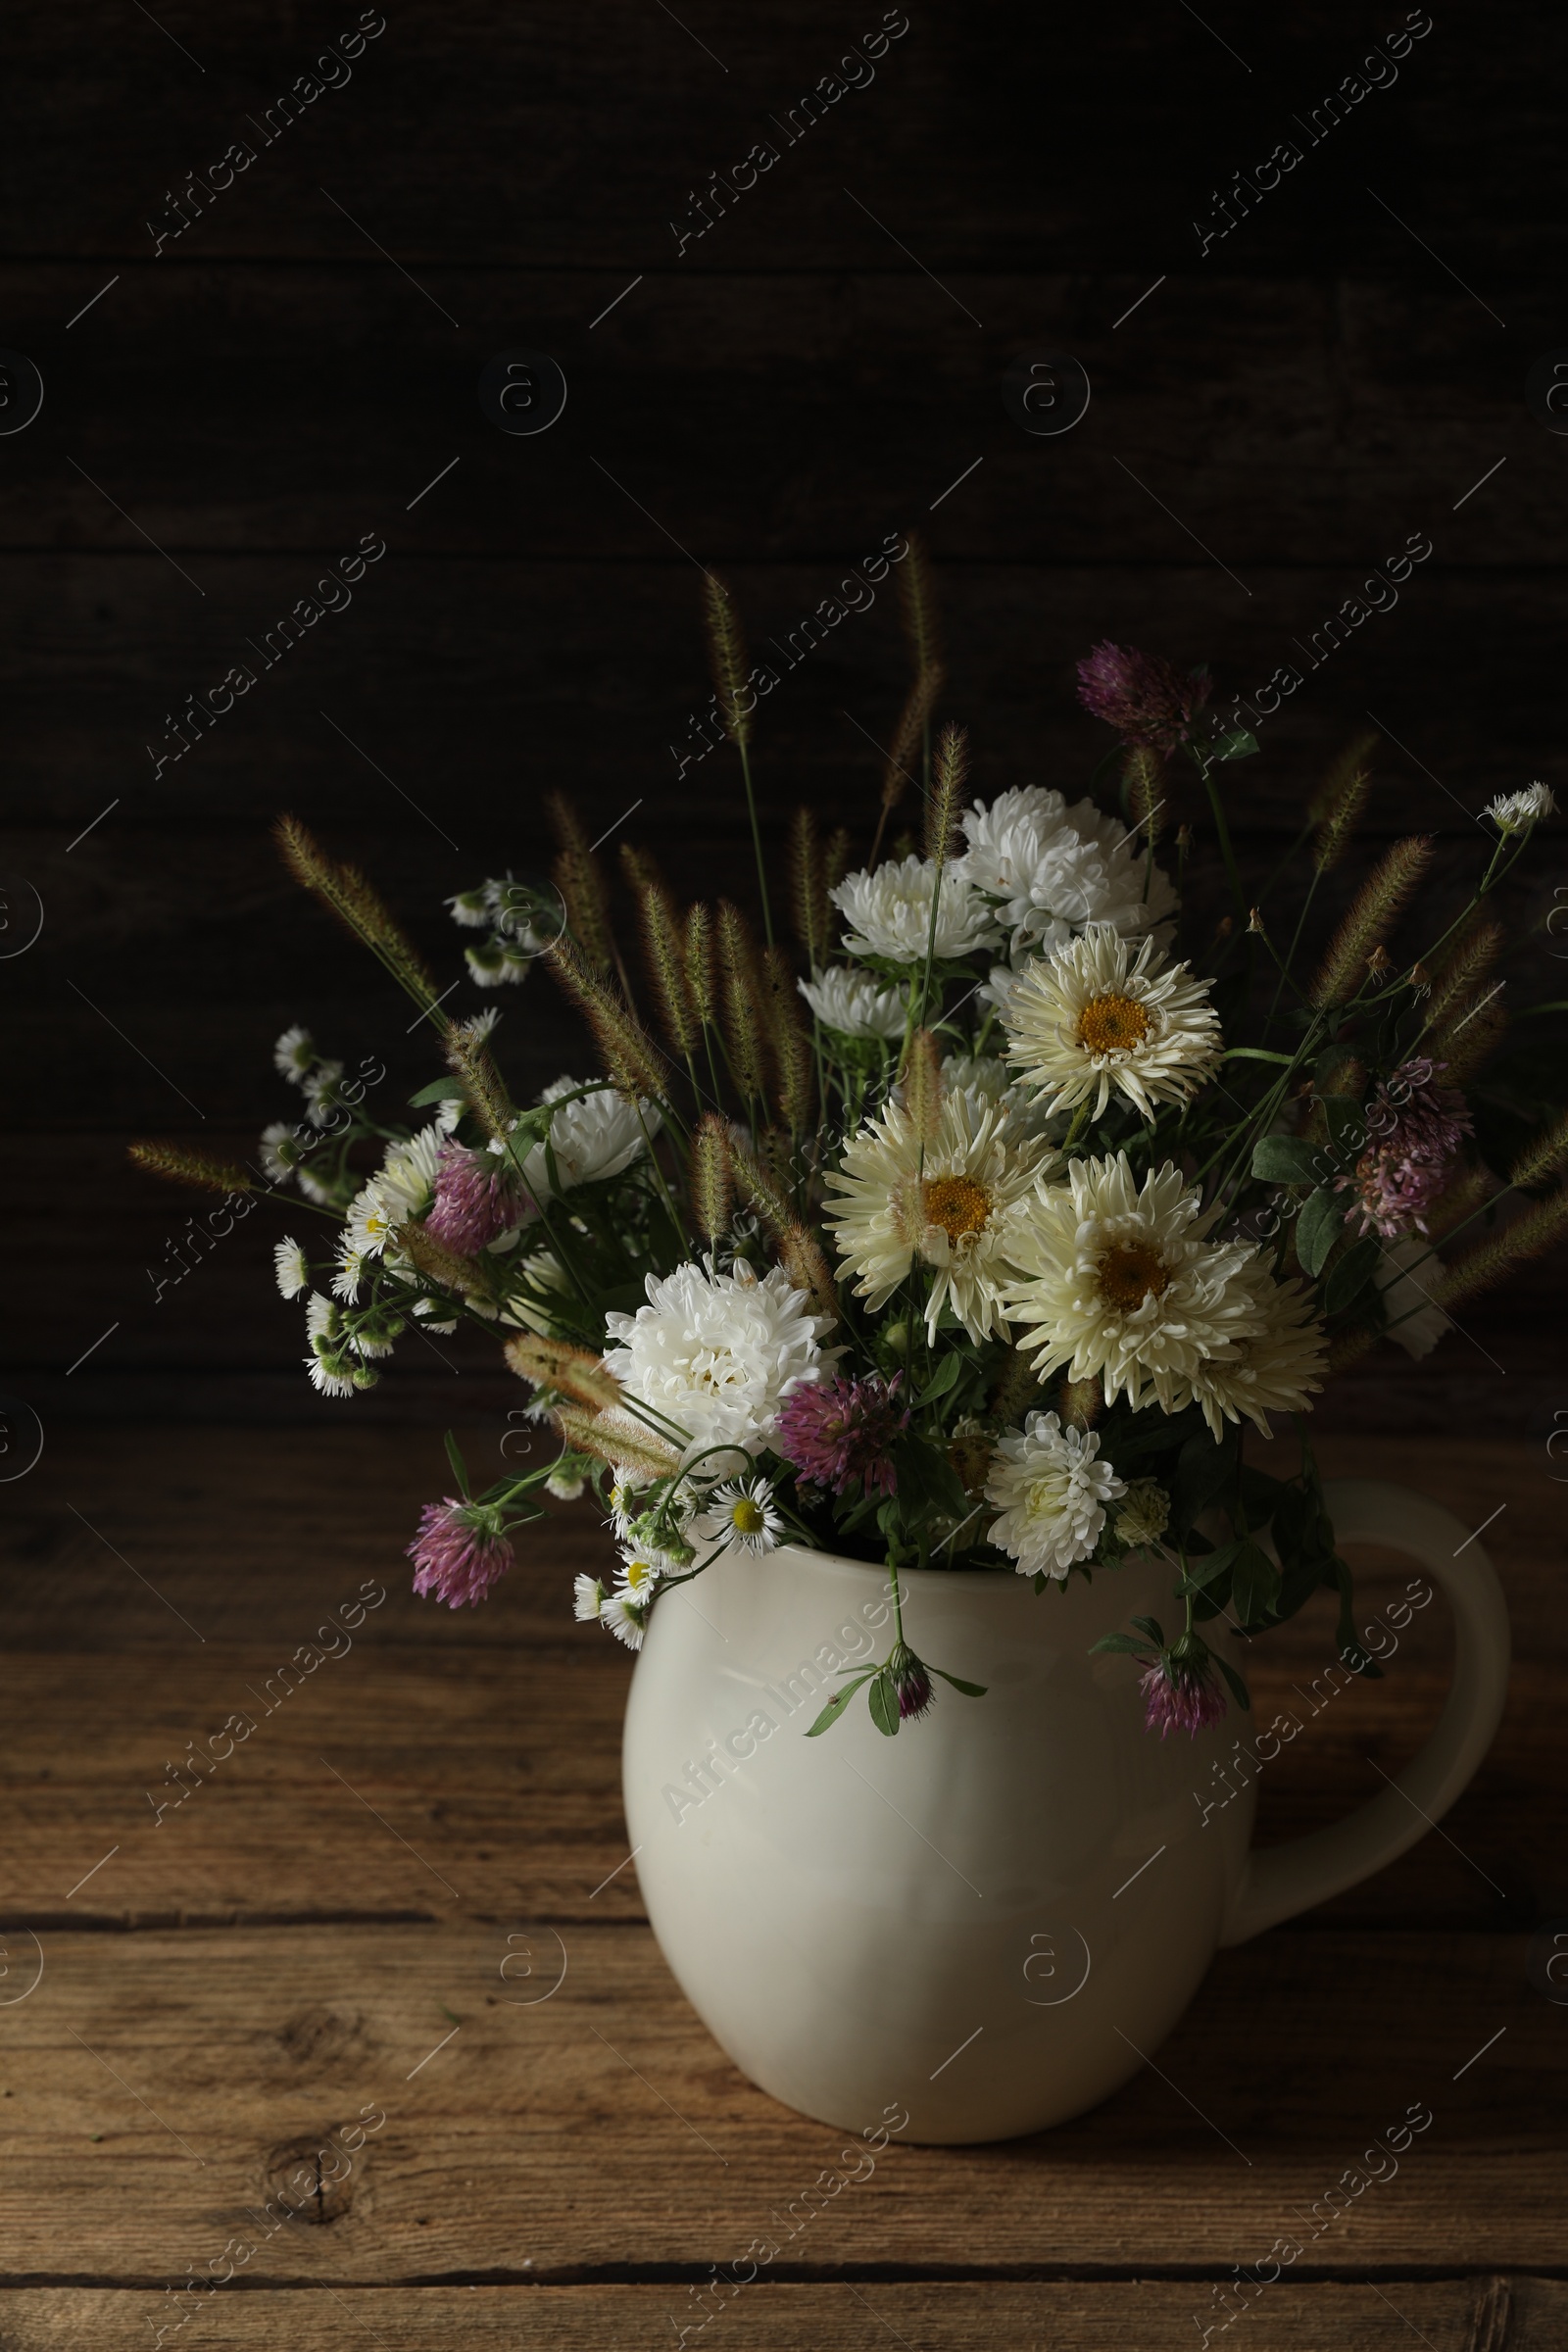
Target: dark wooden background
x=1293 y=405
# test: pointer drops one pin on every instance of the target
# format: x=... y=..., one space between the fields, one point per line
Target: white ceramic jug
x=995 y=1918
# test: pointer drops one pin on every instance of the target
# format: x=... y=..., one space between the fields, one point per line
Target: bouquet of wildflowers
x=956 y=1209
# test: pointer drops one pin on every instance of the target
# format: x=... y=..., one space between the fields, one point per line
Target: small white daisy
x=318 y=1084
x=1051 y=1493
x=854 y=1004
x=294 y=1052
x=626 y=1616
x=293 y=1274
x=331 y=1384
x=887 y=911
x=587 y=1598
x=351 y=1270
x=1512 y=812
x=472 y=908
x=276 y=1165
x=1099 y=1017
x=742 y=1511
x=565 y=1486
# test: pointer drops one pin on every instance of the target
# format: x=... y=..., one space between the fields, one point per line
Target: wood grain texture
x=200 y=2056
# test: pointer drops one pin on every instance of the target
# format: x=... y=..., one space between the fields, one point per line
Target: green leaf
x=1254 y=1580
x=1238 y=1689
x=942 y=1381
x=1261 y=1495
x=1237 y=743
x=458 y=1470
x=1317 y=1229
x=1287 y=1159
x=1254 y=1054
x=1351 y=1275
x=439 y=1090
x=883 y=1699
x=1209 y=1571
x=1153 y=1628
x=1347 y=1121
x=969 y=1689
x=1123 y=1644
x=835 y=1707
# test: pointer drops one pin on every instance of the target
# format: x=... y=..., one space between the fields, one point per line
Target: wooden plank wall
x=227 y=414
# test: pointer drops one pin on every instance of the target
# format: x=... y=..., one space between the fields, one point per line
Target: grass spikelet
x=613 y=1437
x=800 y=1253
x=1348 y=1347
x=949 y=775
x=702 y=964
x=727 y=654
x=580 y=880
x=177 y=1165
x=574 y=1372
x=1470 y=1189
x=1371 y=916
x=1545 y=1155
x=346 y=893
x=918 y=605
x=789 y=1039
x=1080 y=1402
x=1336 y=806
x=1491 y=1260
x=630 y=1057
x=1143 y=774
x=741 y=990
x=1016 y=1387
x=836 y=858
x=447 y=1267
x=712 y=1178
x=905 y=751
x=470 y=1059
x=663 y=953
x=808 y=898
x=1460 y=982
x=758 y=1188
x=921 y=1080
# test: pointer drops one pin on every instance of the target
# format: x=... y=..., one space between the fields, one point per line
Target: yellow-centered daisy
x=1102 y=1018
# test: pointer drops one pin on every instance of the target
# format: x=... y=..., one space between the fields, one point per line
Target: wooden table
x=332 y=1931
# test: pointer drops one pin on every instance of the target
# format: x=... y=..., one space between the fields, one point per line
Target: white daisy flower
x=275 y=1166
x=716 y=1354
x=322 y=1320
x=481 y=1025
x=1121 y=1286
x=946 y=1205
x=403 y=1188
x=1512 y=812
x=592 y=1139
x=587 y=1598
x=741 y=1512
x=351 y=1269
x=565 y=1486
x=855 y=1004
x=1098 y=1018
x=331 y=1384
x=640 y=1572
x=887 y=911
x=426 y=1310
x=1051 y=1493
x=318 y=1084
x=293 y=1274
x=622 y=1614
x=1415 y=1321
x=1051 y=871
x=294 y=1052
x=472 y=908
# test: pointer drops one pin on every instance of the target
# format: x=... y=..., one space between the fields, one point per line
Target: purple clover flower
x=1420 y=1126
x=839 y=1432
x=1145 y=698
x=459 y=1551
x=474 y=1200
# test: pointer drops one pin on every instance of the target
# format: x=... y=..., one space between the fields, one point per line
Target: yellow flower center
x=957 y=1204
x=1112 y=1024
x=747 y=1518
x=1131 y=1272
x=638 y=1574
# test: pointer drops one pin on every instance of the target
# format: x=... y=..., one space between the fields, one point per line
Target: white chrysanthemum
x=587 y=1598
x=1407 y=1273
x=887 y=911
x=1051 y=1493
x=1051 y=871
x=1098 y=1019
x=596 y=1137
x=293 y=1273
x=1274 y=1365
x=948 y=1206
x=1512 y=812
x=716 y=1354
x=1143 y=1515
x=403 y=1188
x=294 y=1052
x=1120 y=1285
x=741 y=1511
x=854 y=1002
x=1029 y=1115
